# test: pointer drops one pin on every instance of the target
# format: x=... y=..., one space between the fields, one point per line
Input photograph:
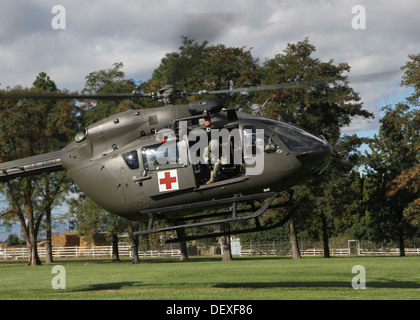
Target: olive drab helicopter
x=156 y=163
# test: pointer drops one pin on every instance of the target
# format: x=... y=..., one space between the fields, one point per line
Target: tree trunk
x=401 y=243
x=33 y=259
x=115 y=252
x=49 y=255
x=225 y=243
x=31 y=236
x=134 y=243
x=325 y=238
x=293 y=240
x=184 y=252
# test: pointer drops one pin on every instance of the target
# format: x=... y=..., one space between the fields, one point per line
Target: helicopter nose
x=316 y=161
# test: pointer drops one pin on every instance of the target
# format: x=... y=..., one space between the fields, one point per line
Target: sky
x=68 y=39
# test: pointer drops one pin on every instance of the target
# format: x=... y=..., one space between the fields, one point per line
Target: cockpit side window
x=270 y=145
x=295 y=139
x=131 y=159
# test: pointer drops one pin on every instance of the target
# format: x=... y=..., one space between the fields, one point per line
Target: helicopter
x=170 y=162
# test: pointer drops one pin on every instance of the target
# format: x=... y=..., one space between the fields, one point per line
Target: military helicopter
x=146 y=164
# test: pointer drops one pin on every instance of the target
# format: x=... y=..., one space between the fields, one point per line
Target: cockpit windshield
x=295 y=139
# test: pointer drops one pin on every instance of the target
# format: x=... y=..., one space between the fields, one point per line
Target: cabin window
x=165 y=154
x=149 y=157
x=131 y=159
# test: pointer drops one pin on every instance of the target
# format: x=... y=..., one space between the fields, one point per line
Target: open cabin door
x=221 y=161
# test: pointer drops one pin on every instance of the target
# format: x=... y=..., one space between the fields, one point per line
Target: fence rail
x=263 y=250
x=255 y=251
x=76 y=252
x=125 y=251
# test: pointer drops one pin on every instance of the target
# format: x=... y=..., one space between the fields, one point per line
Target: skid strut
x=232 y=219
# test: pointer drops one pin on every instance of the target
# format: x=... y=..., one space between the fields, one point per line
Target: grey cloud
x=139 y=33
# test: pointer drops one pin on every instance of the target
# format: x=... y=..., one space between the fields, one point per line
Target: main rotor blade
x=278 y=86
x=364 y=78
x=105 y=96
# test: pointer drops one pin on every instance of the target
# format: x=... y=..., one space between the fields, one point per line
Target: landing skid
x=232 y=219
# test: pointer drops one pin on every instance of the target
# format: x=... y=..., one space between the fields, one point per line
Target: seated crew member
x=216 y=162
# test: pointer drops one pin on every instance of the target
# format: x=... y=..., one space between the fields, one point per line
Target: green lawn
x=267 y=278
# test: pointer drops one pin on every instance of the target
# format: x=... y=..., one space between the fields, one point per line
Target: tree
x=92 y=221
x=196 y=67
x=393 y=161
x=225 y=243
x=54 y=184
x=294 y=246
x=411 y=78
x=111 y=80
x=44 y=82
x=91 y=218
x=320 y=101
x=409 y=179
x=183 y=245
x=13 y=240
x=38 y=126
x=134 y=239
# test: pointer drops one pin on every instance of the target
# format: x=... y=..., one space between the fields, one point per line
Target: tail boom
x=47 y=162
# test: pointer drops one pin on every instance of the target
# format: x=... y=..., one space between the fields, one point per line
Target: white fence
x=125 y=251
x=333 y=252
x=76 y=252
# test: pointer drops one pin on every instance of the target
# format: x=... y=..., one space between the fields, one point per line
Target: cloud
x=138 y=33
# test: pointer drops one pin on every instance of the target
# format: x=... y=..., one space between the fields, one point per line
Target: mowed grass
x=204 y=278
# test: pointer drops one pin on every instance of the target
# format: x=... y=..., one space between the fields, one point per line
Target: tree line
x=371 y=195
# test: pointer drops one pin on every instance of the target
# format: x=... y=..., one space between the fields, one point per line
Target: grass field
x=205 y=278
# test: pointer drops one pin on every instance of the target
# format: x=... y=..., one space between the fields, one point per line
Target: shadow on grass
x=262 y=285
x=108 y=286
x=333 y=284
x=163 y=260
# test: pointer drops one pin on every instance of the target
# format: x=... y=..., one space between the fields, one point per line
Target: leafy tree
x=56 y=184
x=411 y=78
x=13 y=240
x=92 y=220
x=196 y=67
x=394 y=162
x=409 y=181
x=111 y=80
x=29 y=127
x=375 y=221
x=320 y=100
x=44 y=82
x=391 y=188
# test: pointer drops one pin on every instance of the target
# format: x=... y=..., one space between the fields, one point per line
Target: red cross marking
x=168 y=180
